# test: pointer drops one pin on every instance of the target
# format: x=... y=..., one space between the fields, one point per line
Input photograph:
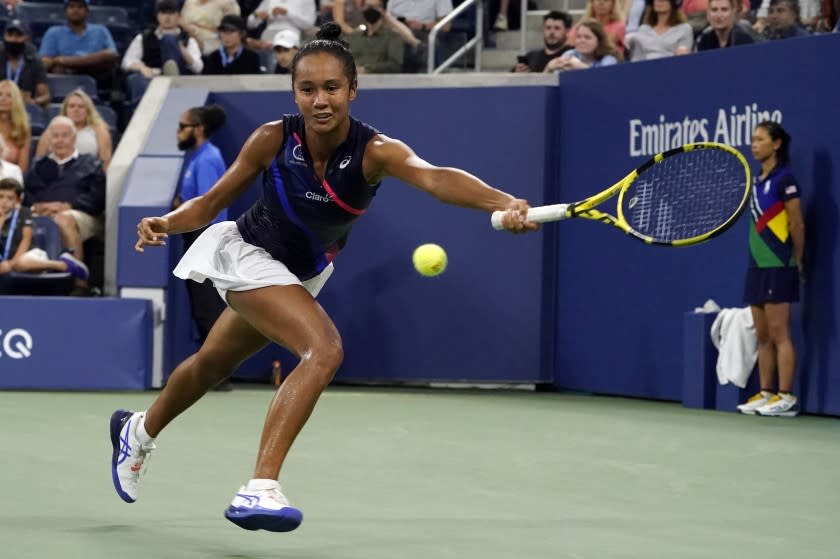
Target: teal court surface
x=424 y=474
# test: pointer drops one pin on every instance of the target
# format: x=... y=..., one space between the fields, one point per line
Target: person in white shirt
x=168 y=47
x=420 y=15
x=296 y=15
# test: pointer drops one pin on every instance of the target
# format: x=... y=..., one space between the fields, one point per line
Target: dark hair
x=211 y=117
x=776 y=132
x=557 y=14
x=11 y=184
x=327 y=40
x=675 y=18
x=792 y=4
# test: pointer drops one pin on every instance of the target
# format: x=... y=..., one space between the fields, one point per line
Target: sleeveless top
x=300 y=221
x=86 y=141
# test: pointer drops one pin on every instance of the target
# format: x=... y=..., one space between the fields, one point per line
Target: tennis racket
x=679 y=197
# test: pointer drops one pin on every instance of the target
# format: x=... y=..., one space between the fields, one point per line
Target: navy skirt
x=771 y=285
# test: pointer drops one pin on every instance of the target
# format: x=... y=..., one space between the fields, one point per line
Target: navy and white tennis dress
x=291 y=235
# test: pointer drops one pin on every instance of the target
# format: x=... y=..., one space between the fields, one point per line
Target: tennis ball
x=429 y=259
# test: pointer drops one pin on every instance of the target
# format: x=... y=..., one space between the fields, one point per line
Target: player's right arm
x=256 y=155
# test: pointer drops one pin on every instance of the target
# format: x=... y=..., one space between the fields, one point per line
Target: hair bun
x=330 y=31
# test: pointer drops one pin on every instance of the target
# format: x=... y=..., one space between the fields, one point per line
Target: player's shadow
x=818 y=294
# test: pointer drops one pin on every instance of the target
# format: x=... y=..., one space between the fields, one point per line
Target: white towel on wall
x=733 y=334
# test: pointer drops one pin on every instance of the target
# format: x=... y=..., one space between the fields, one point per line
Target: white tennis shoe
x=129 y=457
x=261 y=505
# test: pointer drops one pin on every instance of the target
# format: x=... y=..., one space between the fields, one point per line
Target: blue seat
x=37 y=119
x=46 y=236
x=60 y=85
x=53 y=110
x=109 y=116
x=108 y=15
x=41 y=12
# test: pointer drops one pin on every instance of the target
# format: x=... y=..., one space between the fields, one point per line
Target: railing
x=477 y=41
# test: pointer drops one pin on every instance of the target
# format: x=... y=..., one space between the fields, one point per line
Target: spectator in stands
x=348 y=15
x=608 y=14
x=286 y=45
x=556 y=24
x=233 y=57
x=807 y=15
x=204 y=167
x=723 y=30
x=69 y=187
x=92 y=134
x=16 y=251
x=167 y=47
x=201 y=19
x=10 y=9
x=8 y=170
x=80 y=47
x=276 y=15
x=501 y=22
x=593 y=49
x=663 y=33
x=19 y=62
x=783 y=21
x=376 y=48
x=420 y=15
x=14 y=125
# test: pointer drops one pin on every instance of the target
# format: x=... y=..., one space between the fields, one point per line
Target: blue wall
x=620 y=303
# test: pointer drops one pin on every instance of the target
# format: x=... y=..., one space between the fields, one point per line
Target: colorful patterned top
x=771 y=245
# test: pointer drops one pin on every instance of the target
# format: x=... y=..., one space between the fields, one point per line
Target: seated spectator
x=808 y=15
x=593 y=49
x=663 y=33
x=276 y=15
x=233 y=57
x=348 y=15
x=376 y=48
x=14 y=125
x=8 y=170
x=783 y=21
x=167 y=46
x=420 y=15
x=92 y=134
x=80 y=47
x=16 y=251
x=201 y=19
x=555 y=26
x=68 y=187
x=286 y=46
x=19 y=62
x=723 y=31
x=608 y=14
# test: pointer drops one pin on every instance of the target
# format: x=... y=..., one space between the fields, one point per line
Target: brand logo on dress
x=17 y=344
x=297 y=152
x=318 y=197
x=345 y=162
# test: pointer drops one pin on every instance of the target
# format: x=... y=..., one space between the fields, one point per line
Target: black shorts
x=771 y=285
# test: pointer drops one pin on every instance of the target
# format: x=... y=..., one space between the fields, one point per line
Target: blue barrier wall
x=480 y=320
x=620 y=304
x=63 y=343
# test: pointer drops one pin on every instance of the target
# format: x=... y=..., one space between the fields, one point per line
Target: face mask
x=14 y=48
x=371 y=15
x=189 y=143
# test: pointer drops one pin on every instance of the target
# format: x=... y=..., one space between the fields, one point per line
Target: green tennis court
x=411 y=474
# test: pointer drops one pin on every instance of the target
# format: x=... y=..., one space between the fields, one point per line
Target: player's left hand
x=515 y=218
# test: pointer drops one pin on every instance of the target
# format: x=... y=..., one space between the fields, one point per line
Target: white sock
x=262 y=484
x=140 y=431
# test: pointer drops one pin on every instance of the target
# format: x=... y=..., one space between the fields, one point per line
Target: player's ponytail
x=327 y=40
x=211 y=117
x=776 y=132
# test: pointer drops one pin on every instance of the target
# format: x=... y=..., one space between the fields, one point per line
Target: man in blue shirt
x=204 y=167
x=79 y=47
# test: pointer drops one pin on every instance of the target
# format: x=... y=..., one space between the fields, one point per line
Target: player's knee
x=327 y=356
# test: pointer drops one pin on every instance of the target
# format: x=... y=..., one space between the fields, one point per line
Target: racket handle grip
x=540 y=214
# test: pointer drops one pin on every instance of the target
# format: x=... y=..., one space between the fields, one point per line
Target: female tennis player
x=320 y=169
x=777 y=243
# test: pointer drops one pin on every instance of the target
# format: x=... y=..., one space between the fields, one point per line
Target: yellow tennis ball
x=429 y=259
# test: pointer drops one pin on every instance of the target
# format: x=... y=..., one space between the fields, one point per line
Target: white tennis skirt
x=222 y=256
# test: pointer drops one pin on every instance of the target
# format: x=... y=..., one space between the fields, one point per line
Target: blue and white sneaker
x=129 y=456
x=780 y=406
x=263 y=508
x=76 y=267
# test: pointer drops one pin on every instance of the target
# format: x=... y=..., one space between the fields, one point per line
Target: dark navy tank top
x=299 y=220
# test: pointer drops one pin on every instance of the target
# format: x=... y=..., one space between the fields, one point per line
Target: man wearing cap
x=376 y=48
x=79 y=47
x=167 y=48
x=286 y=44
x=20 y=63
x=233 y=57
